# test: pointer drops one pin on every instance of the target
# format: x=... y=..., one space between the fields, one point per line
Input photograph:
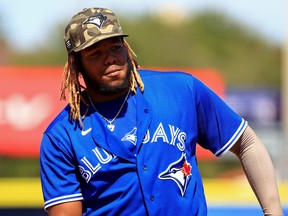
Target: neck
x=98 y=97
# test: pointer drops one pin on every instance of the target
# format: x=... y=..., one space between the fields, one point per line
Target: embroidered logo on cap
x=97 y=19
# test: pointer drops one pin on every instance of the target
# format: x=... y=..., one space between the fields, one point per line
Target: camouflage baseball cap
x=90 y=26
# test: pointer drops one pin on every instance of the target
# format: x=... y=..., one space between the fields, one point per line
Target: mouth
x=112 y=72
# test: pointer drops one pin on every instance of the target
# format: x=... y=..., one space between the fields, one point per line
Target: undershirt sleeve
x=259 y=170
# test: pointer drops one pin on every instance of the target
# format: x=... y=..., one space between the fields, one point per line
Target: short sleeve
x=219 y=127
x=58 y=173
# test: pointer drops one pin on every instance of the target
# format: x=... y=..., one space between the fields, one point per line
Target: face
x=105 y=67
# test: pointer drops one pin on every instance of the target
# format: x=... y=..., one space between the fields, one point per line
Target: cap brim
x=97 y=39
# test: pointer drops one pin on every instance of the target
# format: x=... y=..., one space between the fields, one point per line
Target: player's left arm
x=259 y=171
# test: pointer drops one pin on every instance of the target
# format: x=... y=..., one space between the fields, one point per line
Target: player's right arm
x=66 y=209
x=60 y=182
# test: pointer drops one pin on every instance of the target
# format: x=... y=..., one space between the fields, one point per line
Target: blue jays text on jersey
x=147 y=166
x=176 y=138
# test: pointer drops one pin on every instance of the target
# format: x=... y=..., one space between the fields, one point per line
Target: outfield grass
x=30 y=167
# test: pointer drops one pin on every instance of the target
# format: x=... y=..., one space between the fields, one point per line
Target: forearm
x=66 y=209
x=259 y=170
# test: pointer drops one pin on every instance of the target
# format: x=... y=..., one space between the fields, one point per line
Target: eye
x=116 y=47
x=94 y=54
x=174 y=170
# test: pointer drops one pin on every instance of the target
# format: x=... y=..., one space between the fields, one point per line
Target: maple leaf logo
x=186 y=169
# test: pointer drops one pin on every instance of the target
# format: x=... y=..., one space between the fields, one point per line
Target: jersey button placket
x=144 y=168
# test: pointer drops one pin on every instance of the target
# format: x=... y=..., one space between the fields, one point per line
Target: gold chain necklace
x=111 y=126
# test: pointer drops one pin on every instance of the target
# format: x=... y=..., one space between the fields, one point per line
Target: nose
x=110 y=58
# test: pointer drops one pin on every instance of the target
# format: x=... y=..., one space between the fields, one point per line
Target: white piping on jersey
x=233 y=139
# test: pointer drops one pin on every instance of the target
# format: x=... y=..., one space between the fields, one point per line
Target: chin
x=116 y=87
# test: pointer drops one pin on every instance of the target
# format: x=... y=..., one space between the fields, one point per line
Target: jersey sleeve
x=219 y=127
x=58 y=175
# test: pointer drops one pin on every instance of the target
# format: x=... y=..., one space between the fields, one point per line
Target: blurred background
x=238 y=48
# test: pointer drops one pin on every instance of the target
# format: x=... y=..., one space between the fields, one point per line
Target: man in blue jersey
x=121 y=149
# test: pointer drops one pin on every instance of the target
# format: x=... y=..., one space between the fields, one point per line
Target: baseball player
x=121 y=149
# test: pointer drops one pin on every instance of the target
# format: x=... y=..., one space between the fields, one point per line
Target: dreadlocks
x=70 y=81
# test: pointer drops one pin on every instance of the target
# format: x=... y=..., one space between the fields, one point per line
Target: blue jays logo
x=178 y=171
x=97 y=19
x=131 y=136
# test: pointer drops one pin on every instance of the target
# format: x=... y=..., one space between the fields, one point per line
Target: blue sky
x=29 y=22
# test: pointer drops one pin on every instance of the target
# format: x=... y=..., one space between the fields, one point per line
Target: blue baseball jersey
x=147 y=165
